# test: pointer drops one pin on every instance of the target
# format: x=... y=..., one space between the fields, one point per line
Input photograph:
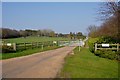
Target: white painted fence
x=107 y=47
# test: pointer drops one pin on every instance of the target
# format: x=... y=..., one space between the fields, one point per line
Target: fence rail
x=26 y=45
x=31 y=45
x=110 y=47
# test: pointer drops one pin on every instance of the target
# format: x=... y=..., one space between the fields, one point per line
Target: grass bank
x=25 y=52
x=85 y=64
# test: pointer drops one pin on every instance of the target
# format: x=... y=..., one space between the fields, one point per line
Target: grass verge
x=25 y=52
x=85 y=64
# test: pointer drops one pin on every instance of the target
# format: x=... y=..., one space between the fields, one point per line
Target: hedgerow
x=109 y=54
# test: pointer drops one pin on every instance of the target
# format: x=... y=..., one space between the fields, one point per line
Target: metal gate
x=67 y=43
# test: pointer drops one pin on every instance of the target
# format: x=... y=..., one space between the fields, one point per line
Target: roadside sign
x=9 y=44
x=105 y=45
x=54 y=42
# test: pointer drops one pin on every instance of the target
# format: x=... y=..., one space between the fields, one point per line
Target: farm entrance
x=68 y=43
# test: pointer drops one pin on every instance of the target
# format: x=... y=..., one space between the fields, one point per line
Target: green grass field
x=34 y=39
x=85 y=64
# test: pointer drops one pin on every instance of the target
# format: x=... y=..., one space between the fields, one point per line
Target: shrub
x=91 y=47
x=112 y=55
x=7 y=49
x=91 y=44
x=106 y=39
x=98 y=52
x=118 y=55
x=103 y=53
x=107 y=54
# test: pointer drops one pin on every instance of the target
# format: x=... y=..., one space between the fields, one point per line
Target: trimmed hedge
x=107 y=54
x=103 y=53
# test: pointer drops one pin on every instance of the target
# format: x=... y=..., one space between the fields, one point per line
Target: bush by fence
x=91 y=44
x=112 y=52
x=108 y=54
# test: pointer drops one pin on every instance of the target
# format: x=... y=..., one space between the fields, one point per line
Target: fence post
x=25 y=45
x=57 y=43
x=37 y=44
x=32 y=45
x=42 y=47
x=14 y=46
x=95 y=46
x=79 y=47
x=117 y=46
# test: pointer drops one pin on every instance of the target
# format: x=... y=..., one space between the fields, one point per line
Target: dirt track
x=40 y=65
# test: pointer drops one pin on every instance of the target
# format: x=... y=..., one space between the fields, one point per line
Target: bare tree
x=110 y=15
x=92 y=29
x=109 y=9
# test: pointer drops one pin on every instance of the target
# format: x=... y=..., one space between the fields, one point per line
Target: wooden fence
x=31 y=45
x=26 y=45
x=110 y=47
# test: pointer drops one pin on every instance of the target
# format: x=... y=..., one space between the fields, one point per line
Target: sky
x=62 y=17
x=55 y=0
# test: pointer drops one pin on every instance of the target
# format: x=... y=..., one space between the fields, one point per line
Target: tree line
x=110 y=28
x=11 y=33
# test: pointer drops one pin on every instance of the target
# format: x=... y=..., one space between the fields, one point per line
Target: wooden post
x=14 y=46
x=32 y=45
x=117 y=46
x=52 y=43
x=25 y=45
x=42 y=47
x=38 y=44
x=79 y=47
x=35 y=44
x=57 y=43
x=95 y=46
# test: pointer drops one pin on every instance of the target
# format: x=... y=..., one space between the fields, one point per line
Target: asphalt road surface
x=40 y=65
